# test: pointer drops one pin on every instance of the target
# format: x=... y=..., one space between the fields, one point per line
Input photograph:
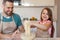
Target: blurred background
x=28 y=9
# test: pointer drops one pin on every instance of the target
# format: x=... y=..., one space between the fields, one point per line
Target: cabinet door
x=37 y=2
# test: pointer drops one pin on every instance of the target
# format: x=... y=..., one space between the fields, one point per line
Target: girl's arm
x=42 y=26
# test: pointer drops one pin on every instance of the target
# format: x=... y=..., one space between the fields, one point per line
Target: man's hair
x=4 y=1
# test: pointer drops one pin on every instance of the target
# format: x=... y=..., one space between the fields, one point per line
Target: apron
x=42 y=34
x=7 y=28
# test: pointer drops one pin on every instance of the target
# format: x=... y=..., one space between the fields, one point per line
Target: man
x=9 y=21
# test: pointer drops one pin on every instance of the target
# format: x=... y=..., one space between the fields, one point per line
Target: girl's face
x=45 y=15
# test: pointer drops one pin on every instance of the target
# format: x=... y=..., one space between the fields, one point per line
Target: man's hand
x=5 y=36
x=16 y=35
x=21 y=29
x=16 y=32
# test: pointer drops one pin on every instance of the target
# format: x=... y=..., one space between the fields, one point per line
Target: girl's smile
x=45 y=15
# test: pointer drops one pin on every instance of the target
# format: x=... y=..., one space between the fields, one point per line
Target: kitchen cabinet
x=38 y=2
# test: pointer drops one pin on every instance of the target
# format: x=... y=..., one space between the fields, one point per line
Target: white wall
x=30 y=11
x=58 y=18
x=38 y=2
x=0 y=5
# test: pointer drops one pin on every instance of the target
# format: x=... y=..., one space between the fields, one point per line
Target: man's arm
x=5 y=35
x=21 y=28
x=18 y=31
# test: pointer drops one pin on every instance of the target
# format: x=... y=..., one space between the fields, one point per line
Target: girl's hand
x=32 y=26
x=32 y=23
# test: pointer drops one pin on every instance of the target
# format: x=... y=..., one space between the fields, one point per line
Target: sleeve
x=19 y=22
x=17 y=19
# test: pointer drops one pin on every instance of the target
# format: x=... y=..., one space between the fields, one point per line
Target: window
x=17 y=2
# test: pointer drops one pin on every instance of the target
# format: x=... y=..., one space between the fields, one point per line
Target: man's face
x=8 y=8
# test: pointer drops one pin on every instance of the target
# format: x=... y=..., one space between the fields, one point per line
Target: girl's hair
x=50 y=18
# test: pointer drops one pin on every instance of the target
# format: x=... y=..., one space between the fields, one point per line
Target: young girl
x=45 y=27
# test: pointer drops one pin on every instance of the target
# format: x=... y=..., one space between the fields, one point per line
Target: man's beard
x=9 y=14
